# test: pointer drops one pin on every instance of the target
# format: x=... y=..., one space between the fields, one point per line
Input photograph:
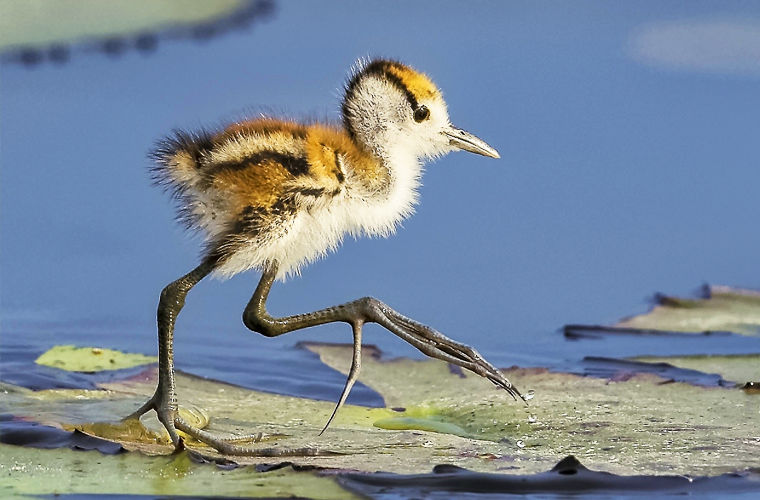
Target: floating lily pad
x=645 y=416
x=34 y=31
x=622 y=369
x=640 y=425
x=568 y=477
x=738 y=369
x=42 y=22
x=91 y=359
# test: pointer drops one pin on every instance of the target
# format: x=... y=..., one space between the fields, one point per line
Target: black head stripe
x=381 y=68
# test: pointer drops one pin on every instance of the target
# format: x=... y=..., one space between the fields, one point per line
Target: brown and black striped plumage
x=245 y=185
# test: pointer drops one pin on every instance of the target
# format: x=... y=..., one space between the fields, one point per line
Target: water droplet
x=520 y=444
x=529 y=395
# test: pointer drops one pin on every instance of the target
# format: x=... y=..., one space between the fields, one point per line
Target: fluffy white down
x=312 y=234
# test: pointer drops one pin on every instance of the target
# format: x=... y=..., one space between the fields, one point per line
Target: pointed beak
x=461 y=139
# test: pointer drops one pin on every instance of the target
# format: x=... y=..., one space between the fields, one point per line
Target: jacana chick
x=274 y=195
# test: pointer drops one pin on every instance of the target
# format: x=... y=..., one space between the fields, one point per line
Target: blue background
x=619 y=178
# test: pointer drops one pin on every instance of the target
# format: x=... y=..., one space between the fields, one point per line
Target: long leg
x=164 y=400
x=364 y=310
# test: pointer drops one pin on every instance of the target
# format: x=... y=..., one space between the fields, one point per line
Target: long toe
x=436 y=345
x=225 y=446
x=145 y=408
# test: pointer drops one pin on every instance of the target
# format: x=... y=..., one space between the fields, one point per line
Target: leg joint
x=256 y=323
x=173 y=296
x=371 y=307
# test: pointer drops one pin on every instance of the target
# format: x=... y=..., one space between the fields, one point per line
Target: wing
x=258 y=178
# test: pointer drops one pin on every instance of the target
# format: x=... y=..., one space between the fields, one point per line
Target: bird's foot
x=426 y=339
x=436 y=345
x=164 y=404
x=175 y=423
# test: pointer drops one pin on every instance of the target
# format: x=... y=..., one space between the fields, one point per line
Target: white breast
x=311 y=234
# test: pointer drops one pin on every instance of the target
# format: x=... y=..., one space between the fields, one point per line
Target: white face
x=427 y=137
x=383 y=119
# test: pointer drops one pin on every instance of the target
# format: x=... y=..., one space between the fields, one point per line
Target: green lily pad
x=91 y=359
x=723 y=309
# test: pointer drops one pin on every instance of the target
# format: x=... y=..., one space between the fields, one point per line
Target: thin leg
x=364 y=310
x=164 y=400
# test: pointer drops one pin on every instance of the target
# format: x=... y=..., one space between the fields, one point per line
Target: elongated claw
x=353 y=373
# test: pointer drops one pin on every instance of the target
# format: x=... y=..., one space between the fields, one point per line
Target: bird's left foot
x=173 y=421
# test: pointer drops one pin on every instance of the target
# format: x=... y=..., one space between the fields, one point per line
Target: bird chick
x=274 y=195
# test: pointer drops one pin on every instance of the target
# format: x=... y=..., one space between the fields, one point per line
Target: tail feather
x=177 y=166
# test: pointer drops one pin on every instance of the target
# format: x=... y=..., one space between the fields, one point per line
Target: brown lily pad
x=721 y=308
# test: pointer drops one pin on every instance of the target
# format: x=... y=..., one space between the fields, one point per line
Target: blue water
x=619 y=178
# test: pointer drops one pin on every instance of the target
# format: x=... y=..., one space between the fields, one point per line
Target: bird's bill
x=464 y=140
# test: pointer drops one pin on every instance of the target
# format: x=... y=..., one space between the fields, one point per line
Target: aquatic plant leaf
x=91 y=359
x=568 y=478
x=38 y=31
x=722 y=309
x=738 y=369
x=638 y=425
x=31 y=471
x=41 y=22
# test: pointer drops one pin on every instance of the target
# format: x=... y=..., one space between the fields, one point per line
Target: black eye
x=421 y=114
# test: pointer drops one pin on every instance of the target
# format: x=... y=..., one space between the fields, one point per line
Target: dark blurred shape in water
x=143 y=34
x=569 y=476
x=32 y=434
